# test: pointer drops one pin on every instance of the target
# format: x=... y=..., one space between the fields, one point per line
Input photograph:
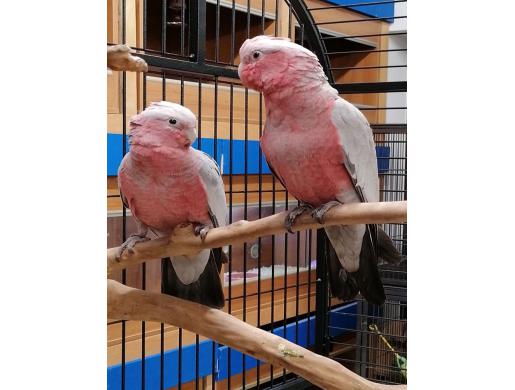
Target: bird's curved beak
x=191 y=134
x=136 y=121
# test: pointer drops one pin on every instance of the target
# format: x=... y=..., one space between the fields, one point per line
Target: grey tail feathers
x=207 y=290
x=367 y=280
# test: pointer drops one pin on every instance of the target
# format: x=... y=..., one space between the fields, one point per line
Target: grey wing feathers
x=122 y=166
x=212 y=179
x=197 y=278
x=359 y=149
x=361 y=164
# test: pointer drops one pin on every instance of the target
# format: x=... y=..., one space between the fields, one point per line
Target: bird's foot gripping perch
x=202 y=230
x=129 y=244
x=319 y=212
x=294 y=214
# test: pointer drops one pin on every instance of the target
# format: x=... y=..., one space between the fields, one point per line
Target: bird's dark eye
x=256 y=54
x=172 y=121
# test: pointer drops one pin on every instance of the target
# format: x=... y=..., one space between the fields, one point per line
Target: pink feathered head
x=270 y=63
x=164 y=123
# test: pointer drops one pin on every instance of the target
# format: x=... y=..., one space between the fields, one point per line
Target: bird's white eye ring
x=172 y=121
x=256 y=54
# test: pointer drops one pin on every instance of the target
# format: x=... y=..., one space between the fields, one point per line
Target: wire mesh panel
x=276 y=282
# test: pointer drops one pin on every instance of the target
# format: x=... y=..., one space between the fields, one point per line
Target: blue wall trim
x=114 y=155
x=342 y=319
x=171 y=372
x=115 y=152
x=378 y=10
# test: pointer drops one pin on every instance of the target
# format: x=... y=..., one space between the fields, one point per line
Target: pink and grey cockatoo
x=320 y=147
x=165 y=182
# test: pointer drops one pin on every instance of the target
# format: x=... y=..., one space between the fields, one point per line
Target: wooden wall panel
x=134 y=82
x=191 y=100
x=341 y=14
x=225 y=33
x=113 y=78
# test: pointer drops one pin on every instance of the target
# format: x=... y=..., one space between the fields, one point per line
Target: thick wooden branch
x=128 y=303
x=119 y=58
x=184 y=242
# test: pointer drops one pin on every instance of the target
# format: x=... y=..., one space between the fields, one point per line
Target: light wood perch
x=127 y=303
x=119 y=58
x=184 y=242
x=132 y=304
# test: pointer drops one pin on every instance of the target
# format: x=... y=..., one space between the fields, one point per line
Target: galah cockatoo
x=165 y=182
x=320 y=147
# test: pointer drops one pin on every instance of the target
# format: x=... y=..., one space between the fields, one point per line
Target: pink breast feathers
x=309 y=162
x=164 y=202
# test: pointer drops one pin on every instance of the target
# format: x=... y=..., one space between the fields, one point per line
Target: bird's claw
x=202 y=230
x=319 y=212
x=129 y=244
x=294 y=214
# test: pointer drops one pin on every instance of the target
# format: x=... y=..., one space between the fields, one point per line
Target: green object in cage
x=400 y=361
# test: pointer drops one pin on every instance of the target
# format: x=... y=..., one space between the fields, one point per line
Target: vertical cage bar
x=163 y=26
x=183 y=26
x=197 y=38
x=199 y=116
x=233 y=31
x=215 y=125
x=285 y=278
x=179 y=357
x=248 y=19
x=217 y=32
x=215 y=153
x=231 y=167
x=321 y=294
x=245 y=216
x=162 y=325
x=297 y=282
x=124 y=209
x=290 y=24
x=276 y=23
x=144 y=265
x=308 y=325
x=272 y=306
x=263 y=8
x=260 y=214
x=197 y=345
x=197 y=362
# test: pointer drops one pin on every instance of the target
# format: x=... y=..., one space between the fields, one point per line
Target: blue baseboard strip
x=223 y=150
x=343 y=317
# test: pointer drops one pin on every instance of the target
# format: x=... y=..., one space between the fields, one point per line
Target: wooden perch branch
x=132 y=304
x=184 y=242
x=119 y=58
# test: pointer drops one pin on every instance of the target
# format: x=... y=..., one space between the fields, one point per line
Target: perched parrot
x=165 y=182
x=321 y=148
